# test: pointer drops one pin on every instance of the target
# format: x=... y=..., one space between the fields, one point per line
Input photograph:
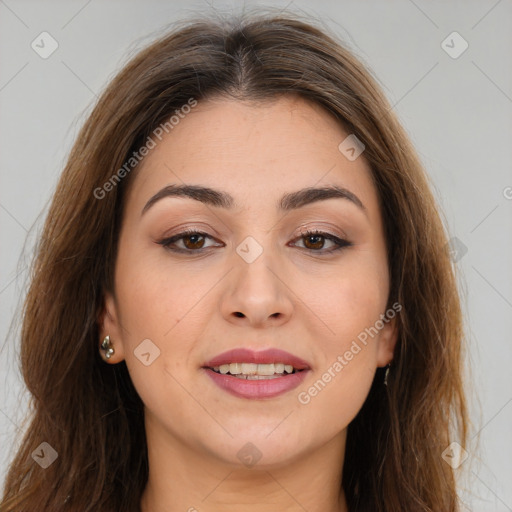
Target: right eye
x=191 y=242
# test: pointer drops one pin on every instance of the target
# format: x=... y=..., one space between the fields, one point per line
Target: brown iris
x=317 y=241
x=194 y=241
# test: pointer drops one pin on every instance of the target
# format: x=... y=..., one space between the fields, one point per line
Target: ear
x=386 y=343
x=109 y=325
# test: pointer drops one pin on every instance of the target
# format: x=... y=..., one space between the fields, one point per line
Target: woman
x=241 y=297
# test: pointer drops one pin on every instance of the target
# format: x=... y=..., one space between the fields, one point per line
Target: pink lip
x=244 y=355
x=257 y=389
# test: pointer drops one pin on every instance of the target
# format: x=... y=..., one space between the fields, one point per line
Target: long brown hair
x=89 y=411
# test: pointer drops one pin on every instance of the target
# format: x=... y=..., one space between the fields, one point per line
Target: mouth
x=256 y=374
x=252 y=371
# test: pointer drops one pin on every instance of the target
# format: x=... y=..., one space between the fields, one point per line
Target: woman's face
x=249 y=278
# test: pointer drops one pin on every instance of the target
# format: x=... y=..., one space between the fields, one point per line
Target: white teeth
x=253 y=371
x=266 y=369
x=235 y=368
x=249 y=368
x=257 y=377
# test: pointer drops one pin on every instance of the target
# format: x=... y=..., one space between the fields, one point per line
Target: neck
x=189 y=478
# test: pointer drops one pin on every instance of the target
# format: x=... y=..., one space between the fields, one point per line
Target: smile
x=252 y=374
x=252 y=371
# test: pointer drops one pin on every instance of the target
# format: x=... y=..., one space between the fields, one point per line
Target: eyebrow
x=221 y=199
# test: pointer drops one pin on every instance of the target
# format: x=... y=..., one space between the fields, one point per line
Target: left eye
x=315 y=241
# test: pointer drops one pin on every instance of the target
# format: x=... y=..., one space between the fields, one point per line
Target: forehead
x=254 y=151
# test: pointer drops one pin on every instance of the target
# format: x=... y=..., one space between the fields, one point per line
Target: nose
x=257 y=294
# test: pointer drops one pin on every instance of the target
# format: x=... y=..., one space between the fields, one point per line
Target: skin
x=290 y=298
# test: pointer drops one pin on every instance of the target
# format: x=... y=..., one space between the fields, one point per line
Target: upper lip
x=268 y=356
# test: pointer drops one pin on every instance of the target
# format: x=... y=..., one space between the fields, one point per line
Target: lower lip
x=256 y=389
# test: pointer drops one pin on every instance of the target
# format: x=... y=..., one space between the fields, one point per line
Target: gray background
x=457 y=112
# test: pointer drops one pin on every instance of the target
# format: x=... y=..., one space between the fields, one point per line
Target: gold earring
x=106 y=345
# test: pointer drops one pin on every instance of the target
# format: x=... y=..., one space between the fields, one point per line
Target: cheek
x=348 y=303
x=155 y=296
x=150 y=307
x=349 y=307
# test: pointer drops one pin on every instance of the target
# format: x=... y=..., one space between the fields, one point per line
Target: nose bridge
x=254 y=267
x=257 y=292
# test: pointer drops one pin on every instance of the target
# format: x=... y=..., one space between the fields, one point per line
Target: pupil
x=311 y=240
x=191 y=242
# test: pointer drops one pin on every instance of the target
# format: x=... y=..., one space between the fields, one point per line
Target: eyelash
x=340 y=242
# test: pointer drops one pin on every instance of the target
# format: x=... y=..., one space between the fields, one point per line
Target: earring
x=386 y=374
x=107 y=346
